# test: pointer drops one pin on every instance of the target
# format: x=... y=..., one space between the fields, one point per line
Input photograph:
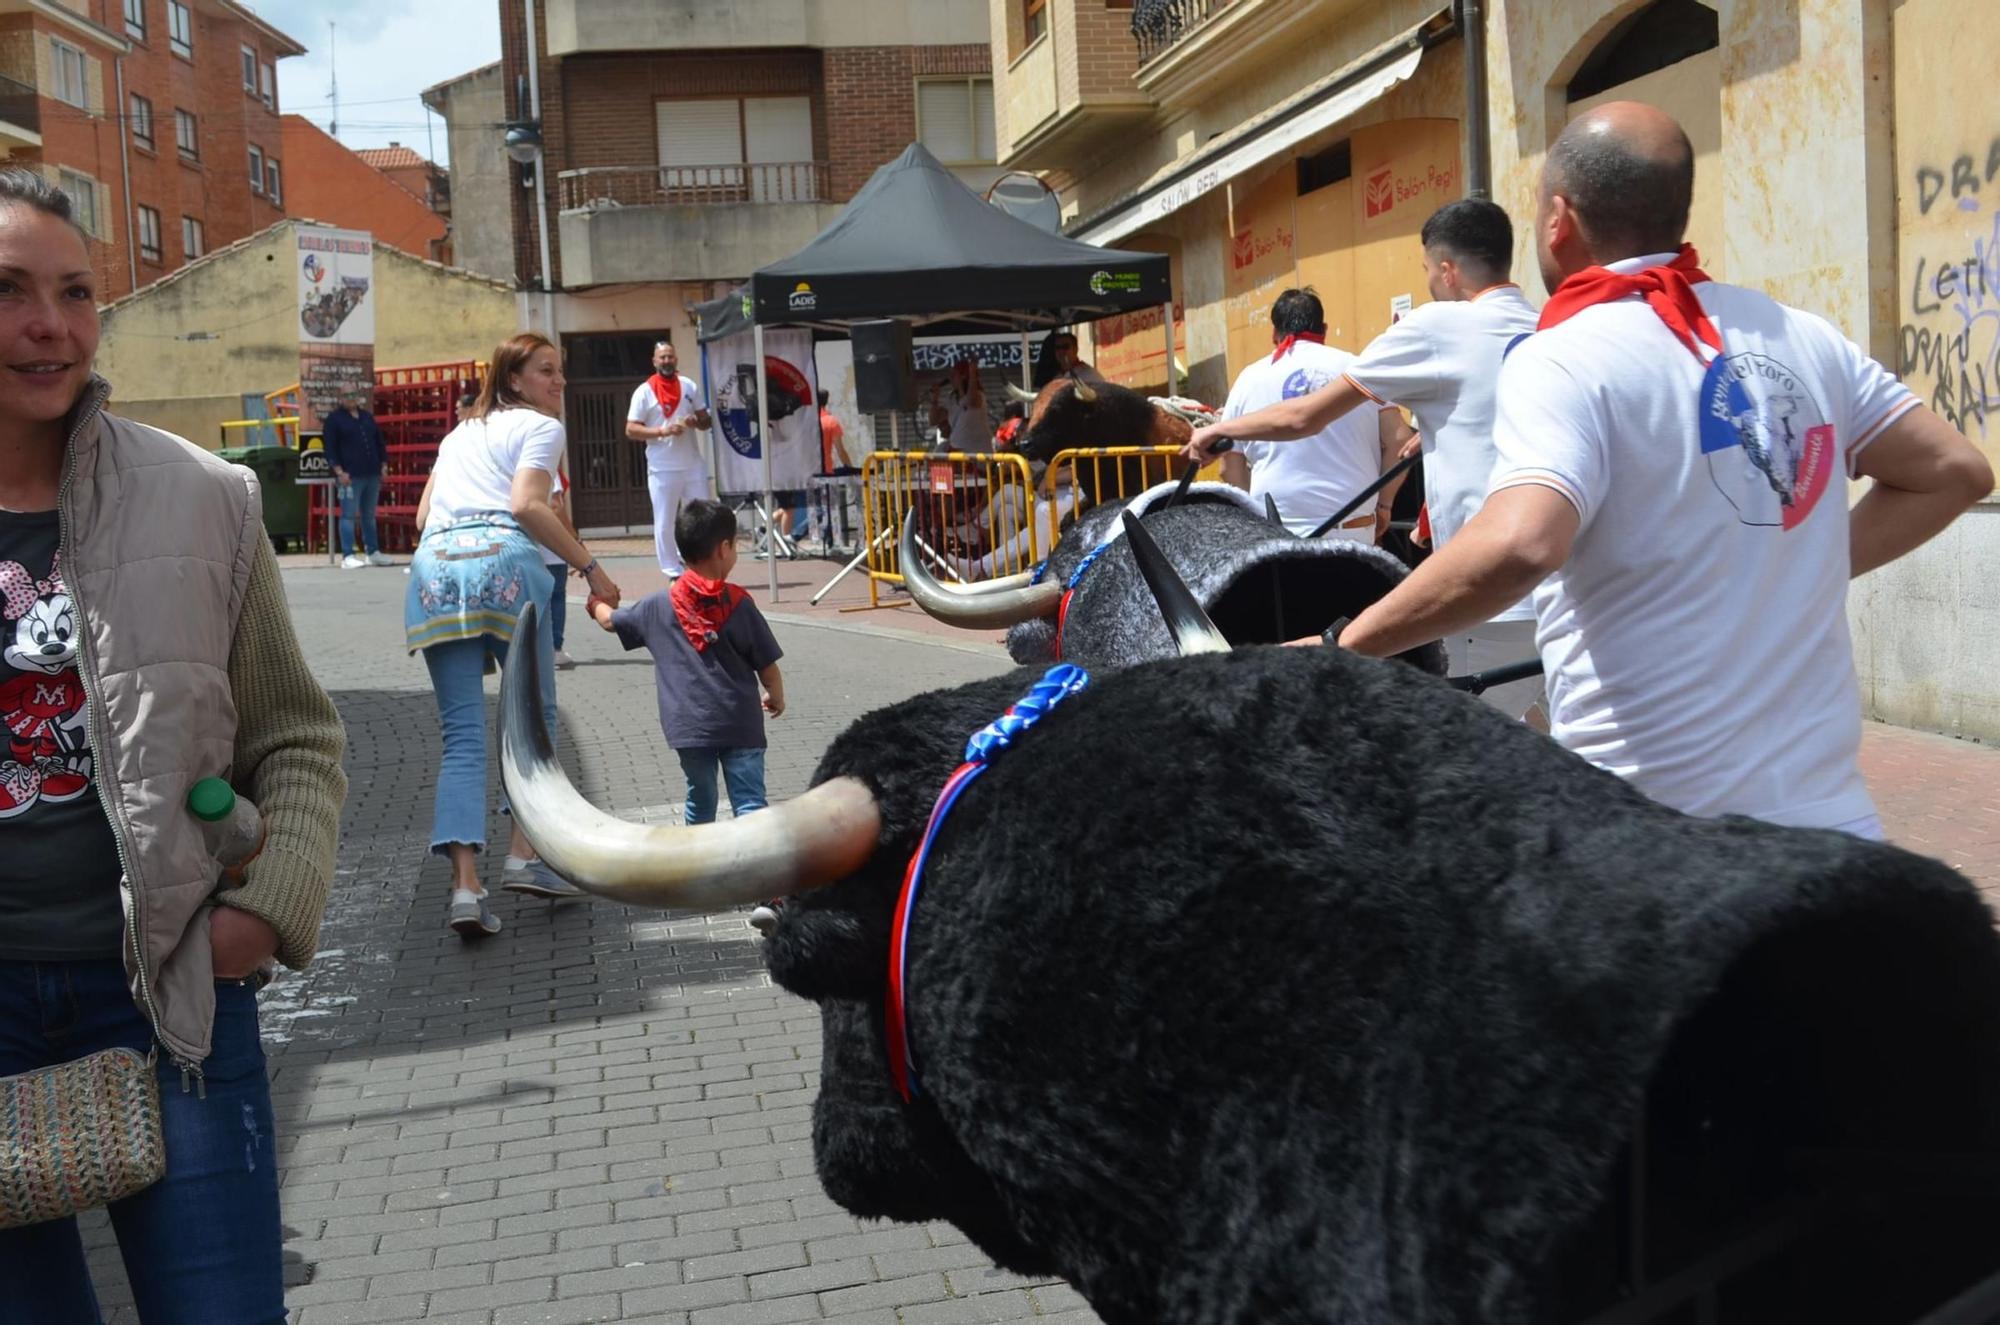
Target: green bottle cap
x=211 y=799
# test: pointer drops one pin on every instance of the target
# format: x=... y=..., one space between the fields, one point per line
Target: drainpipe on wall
x=1478 y=148
x=125 y=169
x=541 y=181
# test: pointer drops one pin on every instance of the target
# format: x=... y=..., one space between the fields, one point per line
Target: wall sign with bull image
x=1348 y=1000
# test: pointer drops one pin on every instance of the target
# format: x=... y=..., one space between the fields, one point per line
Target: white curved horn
x=975 y=607
x=814 y=840
x=1084 y=390
x=1021 y=393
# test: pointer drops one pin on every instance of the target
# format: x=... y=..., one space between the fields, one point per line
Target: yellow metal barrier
x=975 y=514
x=1077 y=480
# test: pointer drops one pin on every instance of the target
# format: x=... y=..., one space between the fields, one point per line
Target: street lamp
x=523 y=141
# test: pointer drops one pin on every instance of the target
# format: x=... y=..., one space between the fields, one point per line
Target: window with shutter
x=701 y=144
x=778 y=132
x=955 y=120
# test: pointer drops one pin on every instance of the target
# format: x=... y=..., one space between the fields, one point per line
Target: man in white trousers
x=668 y=416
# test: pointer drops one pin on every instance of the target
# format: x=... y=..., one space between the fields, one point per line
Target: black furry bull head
x=1282 y=985
x=1259 y=582
x=1073 y=412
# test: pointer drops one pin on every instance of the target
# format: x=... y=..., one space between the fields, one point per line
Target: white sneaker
x=563 y=661
x=379 y=559
x=352 y=562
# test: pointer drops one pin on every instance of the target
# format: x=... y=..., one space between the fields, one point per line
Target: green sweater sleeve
x=288 y=746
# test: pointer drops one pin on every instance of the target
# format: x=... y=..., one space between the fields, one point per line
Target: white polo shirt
x=967 y=428
x=1311 y=478
x=1442 y=363
x=1696 y=639
x=668 y=455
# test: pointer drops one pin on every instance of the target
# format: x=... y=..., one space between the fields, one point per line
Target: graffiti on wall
x=1949 y=350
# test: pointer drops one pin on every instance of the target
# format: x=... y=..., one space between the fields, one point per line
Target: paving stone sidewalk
x=604 y=1114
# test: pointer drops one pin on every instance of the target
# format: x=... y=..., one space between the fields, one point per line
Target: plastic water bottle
x=232 y=826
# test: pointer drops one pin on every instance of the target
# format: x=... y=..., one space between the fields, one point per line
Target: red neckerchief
x=702 y=606
x=1285 y=345
x=1008 y=431
x=1669 y=289
x=666 y=390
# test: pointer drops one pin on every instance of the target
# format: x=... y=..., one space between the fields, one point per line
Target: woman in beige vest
x=146 y=646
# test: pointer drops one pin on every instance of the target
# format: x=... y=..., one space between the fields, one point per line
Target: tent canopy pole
x=764 y=445
x=1173 y=372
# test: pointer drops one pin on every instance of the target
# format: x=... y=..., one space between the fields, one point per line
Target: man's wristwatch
x=586 y=570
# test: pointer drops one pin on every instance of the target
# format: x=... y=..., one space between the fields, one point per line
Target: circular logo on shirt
x=1767 y=443
x=1303 y=382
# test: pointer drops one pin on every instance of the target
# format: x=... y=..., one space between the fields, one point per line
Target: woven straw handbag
x=78 y=1135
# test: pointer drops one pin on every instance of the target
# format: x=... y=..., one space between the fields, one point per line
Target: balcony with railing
x=692 y=186
x=686 y=222
x=1160 y=25
x=20 y=115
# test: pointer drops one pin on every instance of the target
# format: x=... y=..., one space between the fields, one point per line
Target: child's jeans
x=743 y=770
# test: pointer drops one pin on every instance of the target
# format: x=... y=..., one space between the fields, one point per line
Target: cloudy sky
x=387 y=51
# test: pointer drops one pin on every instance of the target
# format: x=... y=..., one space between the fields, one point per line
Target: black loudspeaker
x=884 y=375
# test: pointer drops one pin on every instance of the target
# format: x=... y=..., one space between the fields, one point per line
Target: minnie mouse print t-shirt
x=59 y=867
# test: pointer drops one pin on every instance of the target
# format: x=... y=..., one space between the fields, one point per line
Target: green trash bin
x=277 y=470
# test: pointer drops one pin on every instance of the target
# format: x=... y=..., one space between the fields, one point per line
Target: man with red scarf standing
x=1309 y=479
x=1671 y=462
x=668 y=416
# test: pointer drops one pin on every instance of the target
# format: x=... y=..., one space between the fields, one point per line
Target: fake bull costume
x=1284 y=985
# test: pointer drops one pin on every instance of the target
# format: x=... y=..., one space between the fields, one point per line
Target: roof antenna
x=332 y=79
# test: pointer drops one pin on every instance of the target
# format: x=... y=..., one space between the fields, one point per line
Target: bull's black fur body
x=1289 y=986
x=1257 y=581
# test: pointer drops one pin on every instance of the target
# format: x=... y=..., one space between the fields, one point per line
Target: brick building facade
x=599 y=107
x=154 y=114
x=338 y=185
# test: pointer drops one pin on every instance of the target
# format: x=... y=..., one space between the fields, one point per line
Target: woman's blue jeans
x=203 y=1245
x=457 y=672
x=558 y=604
x=743 y=770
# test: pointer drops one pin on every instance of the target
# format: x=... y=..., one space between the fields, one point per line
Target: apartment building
x=1847 y=160
x=159 y=117
x=334 y=183
x=686 y=144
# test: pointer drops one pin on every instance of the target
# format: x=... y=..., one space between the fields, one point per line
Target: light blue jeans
x=743 y=770
x=457 y=672
x=357 y=501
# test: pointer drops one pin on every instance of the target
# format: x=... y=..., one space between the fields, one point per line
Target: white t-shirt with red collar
x=1441 y=362
x=682 y=451
x=1696 y=639
x=1311 y=478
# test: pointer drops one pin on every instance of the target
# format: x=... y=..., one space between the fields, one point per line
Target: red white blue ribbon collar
x=1069 y=586
x=1056 y=685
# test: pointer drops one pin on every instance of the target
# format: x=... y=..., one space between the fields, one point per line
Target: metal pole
x=1027 y=369
x=541 y=177
x=125 y=169
x=1478 y=150
x=1173 y=375
x=764 y=444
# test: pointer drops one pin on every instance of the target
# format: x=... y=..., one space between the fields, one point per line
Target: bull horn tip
x=980 y=607
x=1020 y=393
x=1189 y=626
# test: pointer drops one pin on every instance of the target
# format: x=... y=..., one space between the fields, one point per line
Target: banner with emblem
x=335 y=271
x=791 y=386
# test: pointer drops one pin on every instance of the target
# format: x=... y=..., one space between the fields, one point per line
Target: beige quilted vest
x=157 y=539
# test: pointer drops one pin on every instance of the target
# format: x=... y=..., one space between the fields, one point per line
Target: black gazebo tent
x=916 y=243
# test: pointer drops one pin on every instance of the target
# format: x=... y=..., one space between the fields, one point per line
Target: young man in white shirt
x=668 y=416
x=1441 y=362
x=1672 y=453
x=1327 y=466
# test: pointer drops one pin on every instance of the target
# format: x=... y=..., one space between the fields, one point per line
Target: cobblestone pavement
x=602 y=1113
